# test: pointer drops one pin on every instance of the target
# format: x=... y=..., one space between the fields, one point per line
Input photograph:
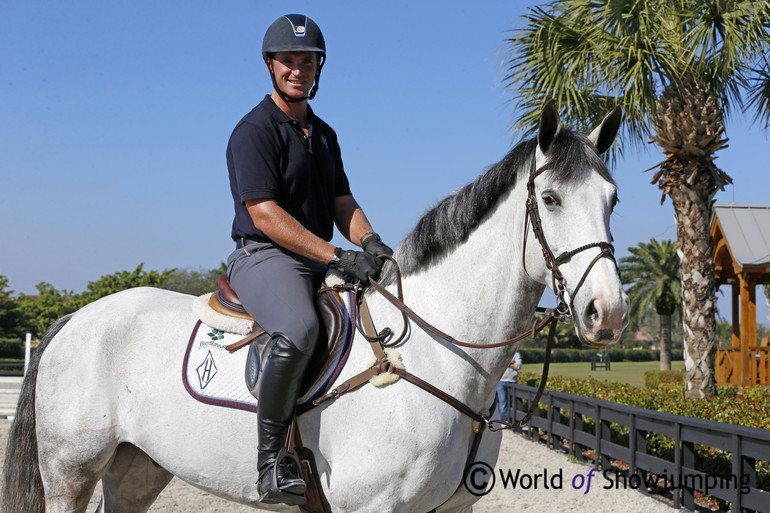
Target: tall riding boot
x=278 y=390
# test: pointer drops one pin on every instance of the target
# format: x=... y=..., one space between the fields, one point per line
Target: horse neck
x=479 y=292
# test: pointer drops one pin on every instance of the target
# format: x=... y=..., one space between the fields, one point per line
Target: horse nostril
x=592 y=314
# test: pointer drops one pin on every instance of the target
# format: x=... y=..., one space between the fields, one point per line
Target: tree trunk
x=665 y=341
x=692 y=212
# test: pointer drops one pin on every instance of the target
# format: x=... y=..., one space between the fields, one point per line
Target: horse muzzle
x=602 y=321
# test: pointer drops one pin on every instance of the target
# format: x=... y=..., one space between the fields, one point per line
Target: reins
x=408 y=312
x=549 y=319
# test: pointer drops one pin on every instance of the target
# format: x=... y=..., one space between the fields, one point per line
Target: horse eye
x=550 y=199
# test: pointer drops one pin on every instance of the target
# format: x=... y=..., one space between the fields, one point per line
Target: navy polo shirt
x=269 y=157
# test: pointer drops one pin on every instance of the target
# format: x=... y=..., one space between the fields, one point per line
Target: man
x=289 y=189
x=511 y=375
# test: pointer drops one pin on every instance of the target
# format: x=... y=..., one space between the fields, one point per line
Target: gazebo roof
x=741 y=236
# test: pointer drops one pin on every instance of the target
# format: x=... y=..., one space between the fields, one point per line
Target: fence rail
x=755 y=358
x=569 y=416
x=13 y=368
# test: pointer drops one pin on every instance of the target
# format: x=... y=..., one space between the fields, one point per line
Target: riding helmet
x=293 y=33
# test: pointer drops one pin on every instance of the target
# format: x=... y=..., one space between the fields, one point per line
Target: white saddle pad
x=214 y=375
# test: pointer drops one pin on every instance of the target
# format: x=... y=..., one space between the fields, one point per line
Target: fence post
x=684 y=455
x=598 y=437
x=27 y=351
x=549 y=439
x=572 y=416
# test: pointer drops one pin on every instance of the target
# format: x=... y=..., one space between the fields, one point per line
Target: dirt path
x=517 y=454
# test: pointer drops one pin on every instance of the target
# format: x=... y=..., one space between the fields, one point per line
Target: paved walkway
x=10 y=386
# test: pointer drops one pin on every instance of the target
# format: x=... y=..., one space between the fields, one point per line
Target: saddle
x=331 y=350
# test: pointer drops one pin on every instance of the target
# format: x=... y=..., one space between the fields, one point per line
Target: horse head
x=571 y=196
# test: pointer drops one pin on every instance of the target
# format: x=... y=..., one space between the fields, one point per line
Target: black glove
x=357 y=264
x=373 y=245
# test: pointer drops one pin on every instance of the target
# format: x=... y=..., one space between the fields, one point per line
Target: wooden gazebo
x=741 y=235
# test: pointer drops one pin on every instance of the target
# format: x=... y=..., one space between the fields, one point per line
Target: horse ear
x=549 y=126
x=605 y=133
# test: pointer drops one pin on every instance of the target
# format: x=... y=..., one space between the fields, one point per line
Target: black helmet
x=295 y=33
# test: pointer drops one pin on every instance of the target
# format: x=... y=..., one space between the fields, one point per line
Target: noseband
x=565 y=308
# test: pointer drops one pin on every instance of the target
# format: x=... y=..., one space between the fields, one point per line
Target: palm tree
x=676 y=67
x=653 y=272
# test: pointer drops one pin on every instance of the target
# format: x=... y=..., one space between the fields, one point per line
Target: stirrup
x=273 y=494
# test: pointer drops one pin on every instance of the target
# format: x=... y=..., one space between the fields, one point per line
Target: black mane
x=450 y=222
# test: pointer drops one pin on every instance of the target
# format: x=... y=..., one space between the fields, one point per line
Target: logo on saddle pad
x=206 y=370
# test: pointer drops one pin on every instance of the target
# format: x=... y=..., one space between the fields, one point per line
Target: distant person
x=511 y=375
x=289 y=190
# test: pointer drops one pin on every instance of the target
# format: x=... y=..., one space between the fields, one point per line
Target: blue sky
x=115 y=117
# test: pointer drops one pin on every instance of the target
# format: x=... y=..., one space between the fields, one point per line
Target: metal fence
x=581 y=423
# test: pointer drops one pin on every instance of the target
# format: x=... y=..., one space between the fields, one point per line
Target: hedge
x=558 y=355
x=11 y=348
x=656 y=378
x=664 y=392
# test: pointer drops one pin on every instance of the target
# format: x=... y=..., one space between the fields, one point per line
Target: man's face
x=294 y=72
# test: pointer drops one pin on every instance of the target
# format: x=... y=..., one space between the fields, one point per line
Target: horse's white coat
x=110 y=397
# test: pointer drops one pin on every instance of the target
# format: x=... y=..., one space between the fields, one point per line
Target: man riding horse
x=289 y=189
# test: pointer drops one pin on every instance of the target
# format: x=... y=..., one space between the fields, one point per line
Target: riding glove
x=356 y=264
x=373 y=245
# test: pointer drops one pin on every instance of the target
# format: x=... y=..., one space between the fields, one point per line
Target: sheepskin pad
x=386 y=378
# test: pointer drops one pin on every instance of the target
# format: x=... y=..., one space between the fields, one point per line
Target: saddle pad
x=214 y=375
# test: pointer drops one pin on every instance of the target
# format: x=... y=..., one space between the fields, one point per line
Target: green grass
x=621 y=372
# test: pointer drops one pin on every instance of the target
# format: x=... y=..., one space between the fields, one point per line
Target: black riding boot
x=278 y=390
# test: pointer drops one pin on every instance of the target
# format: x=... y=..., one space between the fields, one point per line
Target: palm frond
x=590 y=55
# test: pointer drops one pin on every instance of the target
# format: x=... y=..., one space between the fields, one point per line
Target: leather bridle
x=565 y=308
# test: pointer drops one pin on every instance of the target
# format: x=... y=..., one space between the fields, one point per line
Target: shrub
x=11 y=348
x=746 y=407
x=532 y=355
x=664 y=392
x=656 y=378
x=537 y=355
x=642 y=355
x=565 y=355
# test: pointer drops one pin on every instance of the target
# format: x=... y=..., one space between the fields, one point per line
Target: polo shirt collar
x=280 y=116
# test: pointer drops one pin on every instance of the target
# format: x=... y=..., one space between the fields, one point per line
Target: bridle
x=565 y=308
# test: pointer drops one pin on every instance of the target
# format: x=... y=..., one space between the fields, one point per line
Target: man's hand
x=373 y=245
x=357 y=264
